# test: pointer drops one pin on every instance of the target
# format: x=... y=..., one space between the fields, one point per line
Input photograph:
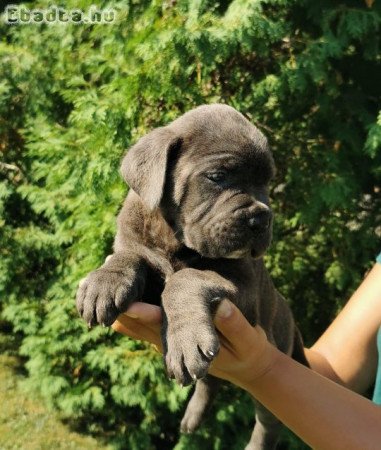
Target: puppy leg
x=189 y=337
x=109 y=290
x=266 y=430
x=202 y=398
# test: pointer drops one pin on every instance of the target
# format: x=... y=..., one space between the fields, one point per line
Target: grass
x=25 y=424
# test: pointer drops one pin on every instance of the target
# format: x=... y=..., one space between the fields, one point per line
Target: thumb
x=246 y=353
x=236 y=330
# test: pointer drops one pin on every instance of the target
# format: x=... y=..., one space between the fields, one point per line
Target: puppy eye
x=217 y=177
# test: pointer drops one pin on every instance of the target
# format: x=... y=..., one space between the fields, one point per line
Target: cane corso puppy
x=193 y=230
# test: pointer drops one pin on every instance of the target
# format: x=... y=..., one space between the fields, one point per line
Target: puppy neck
x=158 y=233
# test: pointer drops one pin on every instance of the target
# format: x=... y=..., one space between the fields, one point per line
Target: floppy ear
x=145 y=164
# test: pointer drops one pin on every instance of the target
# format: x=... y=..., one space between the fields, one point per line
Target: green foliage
x=26 y=423
x=73 y=97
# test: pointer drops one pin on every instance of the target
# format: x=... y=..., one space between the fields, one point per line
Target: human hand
x=141 y=321
x=245 y=352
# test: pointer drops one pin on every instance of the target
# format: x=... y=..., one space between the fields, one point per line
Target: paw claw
x=185 y=357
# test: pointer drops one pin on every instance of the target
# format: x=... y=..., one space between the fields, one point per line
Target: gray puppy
x=192 y=231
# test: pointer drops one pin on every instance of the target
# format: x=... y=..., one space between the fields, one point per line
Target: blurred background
x=74 y=96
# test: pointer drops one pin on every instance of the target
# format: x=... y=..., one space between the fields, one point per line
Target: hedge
x=73 y=97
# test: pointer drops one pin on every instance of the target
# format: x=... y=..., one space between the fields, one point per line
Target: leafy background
x=74 y=97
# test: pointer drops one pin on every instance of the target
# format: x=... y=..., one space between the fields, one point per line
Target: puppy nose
x=260 y=220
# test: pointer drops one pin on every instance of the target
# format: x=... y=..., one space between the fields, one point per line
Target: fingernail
x=131 y=315
x=224 y=309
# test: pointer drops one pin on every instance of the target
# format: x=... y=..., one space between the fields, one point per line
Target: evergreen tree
x=73 y=97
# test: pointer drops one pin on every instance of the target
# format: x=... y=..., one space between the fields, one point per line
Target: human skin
x=322 y=406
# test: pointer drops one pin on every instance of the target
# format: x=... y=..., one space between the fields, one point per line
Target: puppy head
x=209 y=172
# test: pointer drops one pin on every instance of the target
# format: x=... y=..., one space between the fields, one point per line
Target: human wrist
x=264 y=364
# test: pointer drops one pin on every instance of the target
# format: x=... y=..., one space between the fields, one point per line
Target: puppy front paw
x=107 y=292
x=189 y=350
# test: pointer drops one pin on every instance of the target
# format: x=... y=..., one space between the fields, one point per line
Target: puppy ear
x=145 y=165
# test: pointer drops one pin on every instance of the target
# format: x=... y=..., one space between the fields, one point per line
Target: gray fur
x=187 y=238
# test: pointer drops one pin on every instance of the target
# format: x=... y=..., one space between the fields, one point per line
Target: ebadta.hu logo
x=21 y=15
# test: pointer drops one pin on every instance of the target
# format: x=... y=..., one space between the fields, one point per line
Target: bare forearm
x=324 y=414
x=321 y=365
x=347 y=351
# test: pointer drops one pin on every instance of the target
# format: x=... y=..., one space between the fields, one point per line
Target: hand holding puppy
x=245 y=353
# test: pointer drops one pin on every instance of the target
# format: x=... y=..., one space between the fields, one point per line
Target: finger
x=146 y=313
x=237 y=333
x=124 y=329
x=136 y=330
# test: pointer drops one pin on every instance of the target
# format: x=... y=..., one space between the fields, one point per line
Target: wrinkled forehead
x=246 y=155
x=218 y=136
